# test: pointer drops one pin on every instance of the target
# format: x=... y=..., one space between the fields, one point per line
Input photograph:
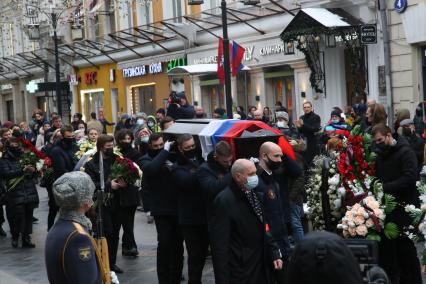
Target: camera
x=366 y=253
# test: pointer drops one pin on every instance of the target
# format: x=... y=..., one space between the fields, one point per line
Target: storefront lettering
x=272 y=49
x=73 y=79
x=90 y=78
x=155 y=68
x=178 y=62
x=248 y=55
x=206 y=60
x=134 y=71
x=5 y=87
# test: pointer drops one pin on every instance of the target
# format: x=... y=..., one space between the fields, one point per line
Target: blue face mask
x=252 y=182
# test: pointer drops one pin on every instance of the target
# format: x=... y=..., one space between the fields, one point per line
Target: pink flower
x=379 y=214
x=361 y=211
x=355 y=207
x=371 y=202
x=352 y=231
x=359 y=220
x=369 y=223
x=362 y=230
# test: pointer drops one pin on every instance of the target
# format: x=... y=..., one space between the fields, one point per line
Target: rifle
x=100 y=238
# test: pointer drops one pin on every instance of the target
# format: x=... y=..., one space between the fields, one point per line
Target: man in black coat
x=62 y=155
x=111 y=204
x=242 y=249
x=129 y=196
x=191 y=209
x=274 y=188
x=396 y=167
x=179 y=107
x=308 y=125
x=417 y=143
x=156 y=169
x=214 y=175
x=23 y=198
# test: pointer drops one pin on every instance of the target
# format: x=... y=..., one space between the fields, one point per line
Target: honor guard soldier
x=71 y=253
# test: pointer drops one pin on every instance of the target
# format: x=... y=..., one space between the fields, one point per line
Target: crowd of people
x=247 y=213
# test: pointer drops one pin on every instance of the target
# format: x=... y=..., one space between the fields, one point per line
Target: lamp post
x=226 y=61
x=54 y=18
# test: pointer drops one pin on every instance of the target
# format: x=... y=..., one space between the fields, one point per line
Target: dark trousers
x=169 y=250
x=128 y=223
x=112 y=225
x=53 y=208
x=399 y=259
x=197 y=242
x=21 y=219
x=1 y=215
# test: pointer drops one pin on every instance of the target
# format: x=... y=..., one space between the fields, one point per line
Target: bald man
x=273 y=186
x=238 y=232
x=257 y=115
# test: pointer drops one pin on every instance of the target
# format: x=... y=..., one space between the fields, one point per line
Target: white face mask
x=252 y=182
x=145 y=139
x=281 y=124
x=140 y=121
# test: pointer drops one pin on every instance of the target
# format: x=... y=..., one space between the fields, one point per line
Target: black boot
x=15 y=241
x=26 y=242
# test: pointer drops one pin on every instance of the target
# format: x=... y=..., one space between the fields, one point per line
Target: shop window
x=143 y=99
x=283 y=91
x=91 y=102
x=212 y=98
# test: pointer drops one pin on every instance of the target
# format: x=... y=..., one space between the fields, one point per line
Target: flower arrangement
x=125 y=169
x=33 y=158
x=84 y=145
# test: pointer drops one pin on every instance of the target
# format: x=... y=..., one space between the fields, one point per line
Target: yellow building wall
x=103 y=81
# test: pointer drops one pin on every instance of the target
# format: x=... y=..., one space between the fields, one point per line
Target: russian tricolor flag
x=237 y=57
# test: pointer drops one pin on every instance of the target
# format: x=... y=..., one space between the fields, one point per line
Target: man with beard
x=273 y=186
x=156 y=169
x=111 y=206
x=214 y=175
x=191 y=209
x=396 y=167
x=242 y=248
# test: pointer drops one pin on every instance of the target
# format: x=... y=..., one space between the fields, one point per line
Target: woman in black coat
x=129 y=196
x=21 y=200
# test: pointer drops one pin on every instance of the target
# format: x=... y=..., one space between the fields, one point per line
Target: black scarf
x=254 y=203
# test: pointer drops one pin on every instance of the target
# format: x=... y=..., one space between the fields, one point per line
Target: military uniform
x=70 y=255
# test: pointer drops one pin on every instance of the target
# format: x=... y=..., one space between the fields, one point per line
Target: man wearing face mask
x=156 y=168
x=111 y=206
x=273 y=186
x=215 y=175
x=396 y=167
x=284 y=125
x=63 y=152
x=191 y=208
x=243 y=250
x=408 y=131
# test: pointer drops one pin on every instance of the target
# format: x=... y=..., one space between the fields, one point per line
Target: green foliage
x=373 y=237
x=390 y=203
x=356 y=130
x=391 y=230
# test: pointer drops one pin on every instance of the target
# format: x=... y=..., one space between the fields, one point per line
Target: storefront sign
x=272 y=49
x=90 y=78
x=134 y=71
x=368 y=34
x=400 y=5
x=32 y=85
x=206 y=60
x=74 y=79
x=178 y=62
x=155 y=68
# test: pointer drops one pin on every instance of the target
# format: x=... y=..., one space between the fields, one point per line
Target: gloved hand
x=167 y=145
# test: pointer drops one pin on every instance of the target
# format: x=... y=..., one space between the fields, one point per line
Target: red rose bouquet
x=125 y=169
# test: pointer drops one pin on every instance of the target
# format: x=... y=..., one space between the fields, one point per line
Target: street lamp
x=53 y=17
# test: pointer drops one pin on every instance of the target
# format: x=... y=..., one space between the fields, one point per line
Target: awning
x=311 y=18
x=197 y=69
